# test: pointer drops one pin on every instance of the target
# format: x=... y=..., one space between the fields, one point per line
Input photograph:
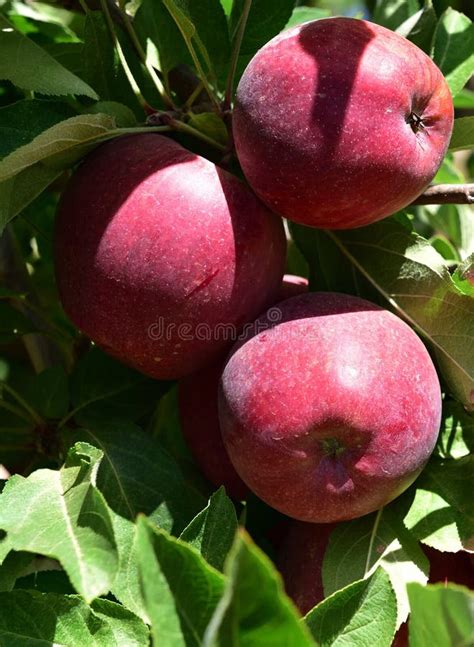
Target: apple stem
x=447 y=194
x=185 y=128
x=239 y=35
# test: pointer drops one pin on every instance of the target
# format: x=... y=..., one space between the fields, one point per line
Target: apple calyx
x=332 y=447
x=416 y=122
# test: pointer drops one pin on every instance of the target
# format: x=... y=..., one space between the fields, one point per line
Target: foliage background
x=109 y=534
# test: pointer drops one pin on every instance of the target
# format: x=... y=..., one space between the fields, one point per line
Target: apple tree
x=236 y=323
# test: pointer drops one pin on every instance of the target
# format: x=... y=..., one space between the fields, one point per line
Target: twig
x=447 y=194
x=235 y=54
x=194 y=95
x=180 y=126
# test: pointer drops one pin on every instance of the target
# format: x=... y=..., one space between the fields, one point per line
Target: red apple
x=331 y=410
x=300 y=561
x=340 y=122
x=197 y=395
x=197 y=398
x=159 y=250
x=450 y=567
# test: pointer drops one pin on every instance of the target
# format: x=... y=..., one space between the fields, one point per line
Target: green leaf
x=448 y=173
x=464 y=100
x=33 y=619
x=455 y=222
x=463 y=134
x=453 y=49
x=123 y=116
x=12 y=568
x=167 y=428
x=98 y=55
x=104 y=389
x=50 y=21
x=45 y=581
x=441 y=615
x=203 y=23
x=227 y=5
x=102 y=69
x=5 y=544
x=181 y=590
x=13 y=322
x=161 y=37
x=61 y=145
x=137 y=476
x=16 y=449
x=456 y=437
x=18 y=192
x=69 y=55
x=60 y=514
x=213 y=530
x=442 y=512
x=463 y=277
x=211 y=125
x=49 y=394
x=420 y=27
x=127 y=629
x=28 y=66
x=409 y=274
x=444 y=248
x=358 y=547
x=392 y=13
x=22 y=121
x=364 y=613
x=329 y=270
x=6 y=293
x=266 y=19
x=304 y=14
x=254 y=610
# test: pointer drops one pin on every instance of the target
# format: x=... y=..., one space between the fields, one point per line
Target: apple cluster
x=327 y=406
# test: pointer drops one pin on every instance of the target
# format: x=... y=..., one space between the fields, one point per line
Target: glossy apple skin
x=150 y=237
x=321 y=122
x=300 y=561
x=197 y=400
x=332 y=411
x=450 y=567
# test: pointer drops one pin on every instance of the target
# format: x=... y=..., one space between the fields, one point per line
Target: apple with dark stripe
x=339 y=122
x=158 y=249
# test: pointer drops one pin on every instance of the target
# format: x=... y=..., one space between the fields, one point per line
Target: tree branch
x=447 y=194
